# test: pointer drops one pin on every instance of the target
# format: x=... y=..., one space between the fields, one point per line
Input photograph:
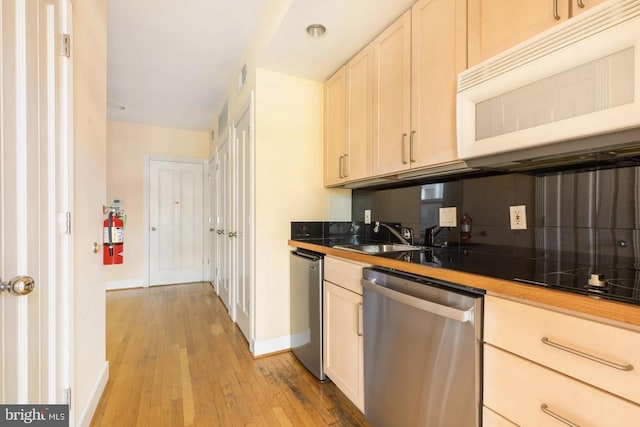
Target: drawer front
x=567 y=344
x=529 y=394
x=344 y=273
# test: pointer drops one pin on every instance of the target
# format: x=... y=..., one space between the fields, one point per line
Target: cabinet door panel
x=438 y=54
x=335 y=144
x=360 y=113
x=343 y=343
x=496 y=25
x=392 y=97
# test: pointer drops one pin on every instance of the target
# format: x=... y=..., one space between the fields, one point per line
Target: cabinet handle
x=591 y=357
x=340 y=167
x=359 y=322
x=345 y=169
x=404 y=148
x=556 y=16
x=413 y=132
x=580 y=4
x=545 y=408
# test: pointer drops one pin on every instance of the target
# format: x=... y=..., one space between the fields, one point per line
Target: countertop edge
x=625 y=314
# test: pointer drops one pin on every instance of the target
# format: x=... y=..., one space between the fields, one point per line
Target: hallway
x=176 y=359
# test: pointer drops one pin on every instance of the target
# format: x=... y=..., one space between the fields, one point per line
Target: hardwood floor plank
x=176 y=359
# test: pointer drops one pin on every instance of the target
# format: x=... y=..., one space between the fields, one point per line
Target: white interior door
x=242 y=220
x=176 y=219
x=34 y=198
x=223 y=207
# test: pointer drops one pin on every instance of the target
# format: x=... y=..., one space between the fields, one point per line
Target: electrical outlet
x=448 y=217
x=518 y=217
x=367 y=216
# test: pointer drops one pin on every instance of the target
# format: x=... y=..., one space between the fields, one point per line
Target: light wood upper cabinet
x=439 y=51
x=392 y=97
x=336 y=144
x=360 y=113
x=417 y=61
x=496 y=25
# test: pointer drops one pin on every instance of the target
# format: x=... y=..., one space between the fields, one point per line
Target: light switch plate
x=448 y=217
x=367 y=216
x=518 y=217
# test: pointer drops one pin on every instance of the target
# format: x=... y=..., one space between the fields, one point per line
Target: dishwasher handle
x=421 y=304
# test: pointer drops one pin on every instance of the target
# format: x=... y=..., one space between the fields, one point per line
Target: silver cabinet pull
x=153 y=229
x=233 y=234
x=340 y=167
x=404 y=148
x=580 y=4
x=591 y=357
x=411 y=157
x=359 y=322
x=545 y=408
x=345 y=169
x=556 y=15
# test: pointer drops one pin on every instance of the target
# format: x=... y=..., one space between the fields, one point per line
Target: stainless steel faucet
x=393 y=231
x=430 y=235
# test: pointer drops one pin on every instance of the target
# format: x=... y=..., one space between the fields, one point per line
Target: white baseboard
x=124 y=284
x=92 y=403
x=271 y=345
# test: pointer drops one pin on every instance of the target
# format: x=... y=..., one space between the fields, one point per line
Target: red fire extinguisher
x=113 y=243
x=465 y=228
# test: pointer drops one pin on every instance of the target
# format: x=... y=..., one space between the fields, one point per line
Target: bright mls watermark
x=34 y=415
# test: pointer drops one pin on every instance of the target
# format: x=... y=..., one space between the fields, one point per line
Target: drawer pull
x=545 y=408
x=614 y=365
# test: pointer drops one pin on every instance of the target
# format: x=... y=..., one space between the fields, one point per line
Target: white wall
x=127 y=145
x=89 y=54
x=288 y=187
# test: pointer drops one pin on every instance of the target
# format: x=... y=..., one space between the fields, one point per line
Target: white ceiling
x=171 y=62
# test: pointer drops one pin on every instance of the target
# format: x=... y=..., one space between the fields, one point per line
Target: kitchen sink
x=379 y=248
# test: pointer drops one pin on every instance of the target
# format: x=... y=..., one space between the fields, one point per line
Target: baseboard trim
x=112 y=285
x=271 y=345
x=92 y=403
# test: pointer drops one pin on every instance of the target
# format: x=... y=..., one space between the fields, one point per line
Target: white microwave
x=572 y=89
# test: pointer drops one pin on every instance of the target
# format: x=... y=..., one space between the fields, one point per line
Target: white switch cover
x=518 y=217
x=367 y=216
x=448 y=217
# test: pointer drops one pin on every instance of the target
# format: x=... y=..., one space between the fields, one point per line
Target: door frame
x=147 y=159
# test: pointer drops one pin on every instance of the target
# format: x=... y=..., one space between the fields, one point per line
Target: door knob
x=19 y=285
x=233 y=233
x=153 y=229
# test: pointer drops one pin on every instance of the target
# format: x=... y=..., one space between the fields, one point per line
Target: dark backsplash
x=594 y=212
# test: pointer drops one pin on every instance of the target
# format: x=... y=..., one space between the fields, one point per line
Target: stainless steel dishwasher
x=306 y=309
x=422 y=351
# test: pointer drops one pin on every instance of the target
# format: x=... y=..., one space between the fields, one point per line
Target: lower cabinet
x=343 y=342
x=542 y=367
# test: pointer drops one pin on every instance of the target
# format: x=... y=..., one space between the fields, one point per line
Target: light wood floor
x=175 y=359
